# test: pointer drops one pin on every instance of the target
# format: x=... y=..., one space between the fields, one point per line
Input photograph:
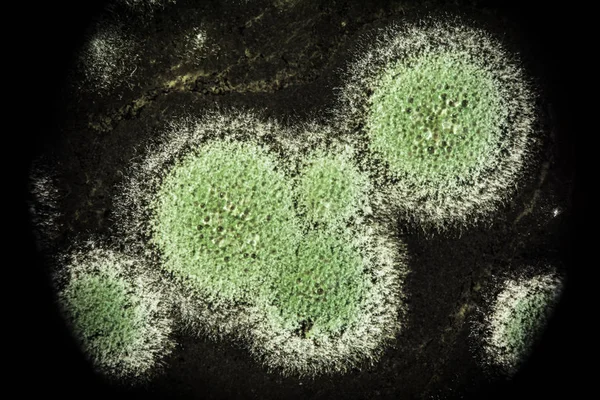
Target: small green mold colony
x=434 y=117
x=520 y=315
x=224 y=220
x=330 y=188
x=119 y=325
x=321 y=292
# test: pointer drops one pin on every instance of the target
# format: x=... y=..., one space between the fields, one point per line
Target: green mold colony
x=520 y=314
x=447 y=115
x=119 y=324
x=225 y=220
x=525 y=321
x=104 y=318
x=434 y=118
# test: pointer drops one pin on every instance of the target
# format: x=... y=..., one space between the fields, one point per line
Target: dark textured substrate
x=432 y=357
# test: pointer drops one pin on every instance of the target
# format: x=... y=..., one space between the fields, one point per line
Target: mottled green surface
x=226 y=223
x=103 y=316
x=225 y=220
x=433 y=118
x=330 y=188
x=525 y=322
x=324 y=285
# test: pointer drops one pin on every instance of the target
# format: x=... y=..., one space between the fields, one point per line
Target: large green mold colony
x=447 y=114
x=225 y=220
x=434 y=118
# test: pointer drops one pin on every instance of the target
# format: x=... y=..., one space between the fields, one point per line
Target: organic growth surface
x=357 y=195
x=435 y=118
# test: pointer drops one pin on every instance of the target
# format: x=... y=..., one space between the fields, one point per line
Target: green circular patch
x=321 y=291
x=434 y=117
x=224 y=220
x=329 y=188
x=104 y=316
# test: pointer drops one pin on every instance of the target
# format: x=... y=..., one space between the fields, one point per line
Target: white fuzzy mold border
x=266 y=336
x=454 y=204
x=145 y=358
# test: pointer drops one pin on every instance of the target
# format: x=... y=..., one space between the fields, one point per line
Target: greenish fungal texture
x=224 y=218
x=104 y=315
x=324 y=286
x=434 y=118
x=300 y=336
x=330 y=188
x=118 y=321
x=520 y=314
x=525 y=320
x=310 y=289
x=448 y=116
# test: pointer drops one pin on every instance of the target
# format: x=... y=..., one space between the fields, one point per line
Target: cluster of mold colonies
x=254 y=254
x=278 y=249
